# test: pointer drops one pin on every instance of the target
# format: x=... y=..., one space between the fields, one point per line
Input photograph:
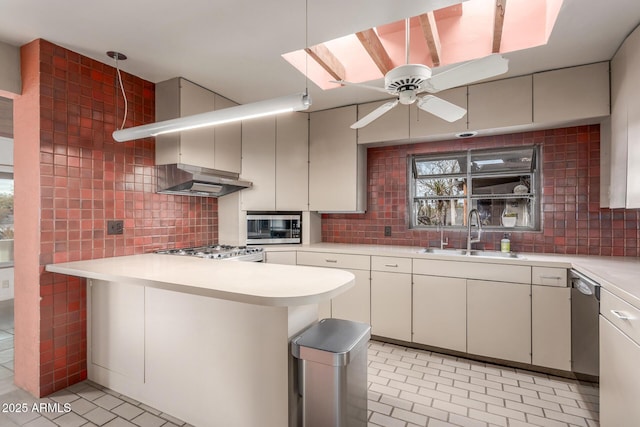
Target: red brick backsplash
x=88 y=179
x=572 y=220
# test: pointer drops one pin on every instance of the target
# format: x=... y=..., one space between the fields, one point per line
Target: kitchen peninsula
x=200 y=339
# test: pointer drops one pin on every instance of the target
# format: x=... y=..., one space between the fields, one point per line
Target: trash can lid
x=330 y=341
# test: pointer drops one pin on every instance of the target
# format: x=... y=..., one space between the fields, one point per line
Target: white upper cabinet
x=337 y=164
x=423 y=124
x=618 y=168
x=501 y=103
x=625 y=125
x=571 y=93
x=633 y=121
x=228 y=145
x=209 y=147
x=292 y=162
x=392 y=126
x=275 y=159
x=258 y=164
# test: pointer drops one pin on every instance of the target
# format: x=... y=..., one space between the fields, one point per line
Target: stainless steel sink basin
x=443 y=251
x=474 y=253
x=495 y=254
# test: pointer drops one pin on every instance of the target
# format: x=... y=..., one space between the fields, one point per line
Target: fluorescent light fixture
x=297 y=102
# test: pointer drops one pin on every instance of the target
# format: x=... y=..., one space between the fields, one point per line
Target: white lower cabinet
x=440 y=312
x=391 y=297
x=354 y=304
x=499 y=320
x=619 y=377
x=287 y=257
x=116 y=329
x=391 y=305
x=551 y=327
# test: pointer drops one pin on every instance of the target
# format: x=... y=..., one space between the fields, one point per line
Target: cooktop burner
x=225 y=252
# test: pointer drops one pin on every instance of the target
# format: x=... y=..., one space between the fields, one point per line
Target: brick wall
x=86 y=179
x=573 y=222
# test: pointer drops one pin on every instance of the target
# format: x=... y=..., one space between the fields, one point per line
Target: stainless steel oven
x=274 y=228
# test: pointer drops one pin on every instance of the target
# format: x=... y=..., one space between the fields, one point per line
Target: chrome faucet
x=479 y=224
x=443 y=241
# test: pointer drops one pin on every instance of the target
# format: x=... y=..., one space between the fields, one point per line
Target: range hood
x=188 y=180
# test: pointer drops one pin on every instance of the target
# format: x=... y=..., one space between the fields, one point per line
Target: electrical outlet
x=115 y=227
x=387 y=231
x=5 y=284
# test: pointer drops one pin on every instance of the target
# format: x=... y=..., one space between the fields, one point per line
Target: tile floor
x=407 y=388
x=410 y=388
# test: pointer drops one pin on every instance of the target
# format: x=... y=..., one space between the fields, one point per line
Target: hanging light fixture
x=298 y=102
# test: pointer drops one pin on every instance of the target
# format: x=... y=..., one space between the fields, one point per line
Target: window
x=503 y=185
x=6 y=201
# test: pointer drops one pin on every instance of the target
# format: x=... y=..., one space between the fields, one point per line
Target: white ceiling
x=234 y=47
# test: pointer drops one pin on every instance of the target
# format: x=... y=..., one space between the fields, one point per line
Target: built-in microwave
x=274 y=228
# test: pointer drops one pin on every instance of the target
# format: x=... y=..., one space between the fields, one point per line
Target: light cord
x=124 y=95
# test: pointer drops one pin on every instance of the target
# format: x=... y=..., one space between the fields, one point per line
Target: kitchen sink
x=474 y=253
x=443 y=251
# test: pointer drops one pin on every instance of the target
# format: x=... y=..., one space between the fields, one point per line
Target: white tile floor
x=406 y=387
x=409 y=387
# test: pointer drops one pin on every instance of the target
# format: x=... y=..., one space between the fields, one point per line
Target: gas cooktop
x=222 y=252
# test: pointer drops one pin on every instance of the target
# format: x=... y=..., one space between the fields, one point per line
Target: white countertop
x=619 y=275
x=248 y=282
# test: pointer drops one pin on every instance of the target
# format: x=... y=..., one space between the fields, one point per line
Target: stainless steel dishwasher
x=585 y=308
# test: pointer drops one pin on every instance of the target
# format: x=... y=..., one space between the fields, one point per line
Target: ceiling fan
x=407 y=81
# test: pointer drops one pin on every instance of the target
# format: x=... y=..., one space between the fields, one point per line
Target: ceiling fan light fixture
x=297 y=102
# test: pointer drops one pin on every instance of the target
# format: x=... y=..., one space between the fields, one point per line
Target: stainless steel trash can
x=332 y=373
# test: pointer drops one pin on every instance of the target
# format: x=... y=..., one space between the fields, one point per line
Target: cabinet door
x=392 y=126
x=292 y=162
x=633 y=121
x=354 y=304
x=440 y=312
x=424 y=125
x=287 y=258
x=333 y=160
x=619 y=96
x=197 y=146
x=619 y=377
x=391 y=305
x=501 y=103
x=228 y=141
x=116 y=328
x=259 y=163
x=551 y=327
x=571 y=93
x=499 y=320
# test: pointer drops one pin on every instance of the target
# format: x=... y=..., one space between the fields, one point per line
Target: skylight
x=470 y=30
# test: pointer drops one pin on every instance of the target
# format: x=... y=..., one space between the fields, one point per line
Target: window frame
x=528 y=205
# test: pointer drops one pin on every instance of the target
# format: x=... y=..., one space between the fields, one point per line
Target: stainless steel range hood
x=188 y=180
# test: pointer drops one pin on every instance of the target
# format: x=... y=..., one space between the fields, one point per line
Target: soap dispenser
x=505 y=243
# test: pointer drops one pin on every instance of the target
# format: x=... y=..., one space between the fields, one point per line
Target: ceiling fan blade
x=469 y=72
x=374 y=114
x=364 y=86
x=441 y=108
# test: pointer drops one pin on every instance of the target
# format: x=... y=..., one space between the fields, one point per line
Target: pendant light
x=297 y=102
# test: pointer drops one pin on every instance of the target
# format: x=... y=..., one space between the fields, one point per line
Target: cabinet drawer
x=622 y=314
x=322 y=259
x=391 y=264
x=473 y=270
x=549 y=276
